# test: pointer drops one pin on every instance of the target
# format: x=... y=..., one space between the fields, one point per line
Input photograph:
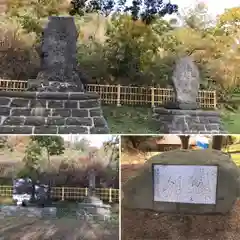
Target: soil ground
x=146 y=225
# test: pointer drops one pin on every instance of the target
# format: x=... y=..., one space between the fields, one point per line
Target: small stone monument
x=186 y=80
x=185 y=182
x=55 y=102
x=92 y=206
x=183 y=115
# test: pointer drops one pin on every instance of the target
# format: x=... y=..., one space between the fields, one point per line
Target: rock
x=186 y=80
x=138 y=191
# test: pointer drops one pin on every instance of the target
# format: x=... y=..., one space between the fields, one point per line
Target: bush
x=19 y=59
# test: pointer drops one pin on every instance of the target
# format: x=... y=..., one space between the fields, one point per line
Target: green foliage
x=54 y=145
x=133 y=50
x=229 y=20
x=111 y=149
x=3 y=142
x=132 y=142
x=130 y=52
x=83 y=145
x=31 y=161
x=146 y=11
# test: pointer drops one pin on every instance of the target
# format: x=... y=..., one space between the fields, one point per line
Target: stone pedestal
x=93 y=207
x=17 y=211
x=177 y=121
x=51 y=113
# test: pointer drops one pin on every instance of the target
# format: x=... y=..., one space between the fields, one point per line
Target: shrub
x=19 y=59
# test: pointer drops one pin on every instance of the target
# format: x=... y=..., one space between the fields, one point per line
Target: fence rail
x=126 y=95
x=71 y=193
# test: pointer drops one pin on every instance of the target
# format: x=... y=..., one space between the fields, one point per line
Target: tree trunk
x=185 y=141
x=217 y=142
x=49 y=180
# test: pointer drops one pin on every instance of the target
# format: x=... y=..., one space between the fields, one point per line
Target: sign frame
x=200 y=165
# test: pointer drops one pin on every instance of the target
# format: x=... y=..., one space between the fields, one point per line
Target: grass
x=236 y=159
x=6 y=200
x=235 y=156
x=137 y=120
x=231 y=121
x=129 y=119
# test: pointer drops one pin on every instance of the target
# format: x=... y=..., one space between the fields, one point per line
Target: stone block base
x=51 y=113
x=16 y=211
x=176 y=121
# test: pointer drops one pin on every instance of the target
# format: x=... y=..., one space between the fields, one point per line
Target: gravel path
x=14 y=228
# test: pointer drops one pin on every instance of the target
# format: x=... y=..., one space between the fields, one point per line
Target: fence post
x=118 y=95
x=63 y=193
x=215 y=100
x=152 y=96
x=110 y=195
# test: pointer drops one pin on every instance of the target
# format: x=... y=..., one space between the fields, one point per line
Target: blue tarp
x=202 y=142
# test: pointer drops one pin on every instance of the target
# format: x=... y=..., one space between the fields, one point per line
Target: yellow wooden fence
x=127 y=95
x=71 y=193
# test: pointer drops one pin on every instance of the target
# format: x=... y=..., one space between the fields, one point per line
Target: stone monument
x=92 y=206
x=55 y=102
x=183 y=115
x=185 y=182
x=58 y=58
x=186 y=81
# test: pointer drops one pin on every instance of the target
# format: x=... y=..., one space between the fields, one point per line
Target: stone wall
x=176 y=121
x=51 y=113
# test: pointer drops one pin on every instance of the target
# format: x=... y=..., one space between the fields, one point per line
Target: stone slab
x=186 y=81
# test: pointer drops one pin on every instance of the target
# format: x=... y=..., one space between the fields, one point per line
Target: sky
x=215 y=7
x=95 y=140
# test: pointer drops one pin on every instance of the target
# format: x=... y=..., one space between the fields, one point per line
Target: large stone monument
x=183 y=115
x=55 y=102
x=58 y=58
x=185 y=182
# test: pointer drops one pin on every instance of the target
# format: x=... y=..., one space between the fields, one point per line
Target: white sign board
x=185 y=184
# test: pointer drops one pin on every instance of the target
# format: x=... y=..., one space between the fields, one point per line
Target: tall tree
x=83 y=145
x=185 y=141
x=146 y=10
x=53 y=145
x=217 y=142
x=31 y=167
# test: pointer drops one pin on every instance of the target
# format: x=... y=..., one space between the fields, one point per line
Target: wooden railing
x=127 y=95
x=71 y=193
